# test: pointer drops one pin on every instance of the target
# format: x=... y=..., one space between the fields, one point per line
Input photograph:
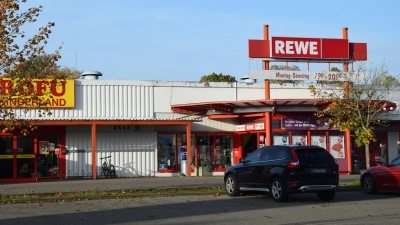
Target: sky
x=182 y=40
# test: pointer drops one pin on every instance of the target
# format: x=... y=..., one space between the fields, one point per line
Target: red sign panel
x=335 y=48
x=311 y=48
x=292 y=47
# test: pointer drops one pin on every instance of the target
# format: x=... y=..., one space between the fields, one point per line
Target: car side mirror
x=241 y=160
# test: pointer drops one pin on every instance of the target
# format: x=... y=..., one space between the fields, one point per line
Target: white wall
x=133 y=153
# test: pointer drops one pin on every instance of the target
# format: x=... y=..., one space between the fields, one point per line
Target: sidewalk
x=122 y=184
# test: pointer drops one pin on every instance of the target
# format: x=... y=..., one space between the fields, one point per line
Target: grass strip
x=112 y=194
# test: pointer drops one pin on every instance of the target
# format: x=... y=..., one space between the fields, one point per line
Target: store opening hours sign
x=302 y=75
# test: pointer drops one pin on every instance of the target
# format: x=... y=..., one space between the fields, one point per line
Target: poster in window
x=299 y=139
x=337 y=146
x=281 y=140
x=319 y=140
x=44 y=147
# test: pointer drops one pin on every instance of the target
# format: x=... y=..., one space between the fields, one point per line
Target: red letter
x=54 y=88
x=41 y=87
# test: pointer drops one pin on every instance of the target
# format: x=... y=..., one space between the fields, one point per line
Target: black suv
x=283 y=170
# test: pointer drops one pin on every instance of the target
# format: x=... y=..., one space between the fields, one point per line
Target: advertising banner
x=337 y=146
x=306 y=124
x=281 y=140
x=299 y=140
x=319 y=140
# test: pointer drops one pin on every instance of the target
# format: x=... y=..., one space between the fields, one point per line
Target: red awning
x=255 y=106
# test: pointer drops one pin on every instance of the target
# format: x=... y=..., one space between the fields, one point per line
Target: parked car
x=382 y=178
x=283 y=170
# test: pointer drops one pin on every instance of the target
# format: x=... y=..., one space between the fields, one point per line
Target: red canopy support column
x=268 y=124
x=345 y=35
x=189 y=151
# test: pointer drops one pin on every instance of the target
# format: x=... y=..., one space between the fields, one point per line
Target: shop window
x=280 y=138
x=223 y=151
x=205 y=145
x=337 y=146
x=319 y=139
x=48 y=157
x=299 y=138
x=25 y=157
x=6 y=154
x=182 y=138
x=166 y=159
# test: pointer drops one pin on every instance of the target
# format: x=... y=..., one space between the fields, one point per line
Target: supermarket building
x=142 y=124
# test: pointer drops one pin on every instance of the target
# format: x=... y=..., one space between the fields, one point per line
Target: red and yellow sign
x=56 y=93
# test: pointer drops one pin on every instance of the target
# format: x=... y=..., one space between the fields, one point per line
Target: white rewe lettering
x=313 y=48
x=279 y=47
x=302 y=47
x=289 y=47
x=296 y=47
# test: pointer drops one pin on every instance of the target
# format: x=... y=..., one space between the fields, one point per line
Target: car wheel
x=326 y=195
x=231 y=185
x=278 y=192
x=369 y=184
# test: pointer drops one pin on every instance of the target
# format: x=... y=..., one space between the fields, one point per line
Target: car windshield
x=314 y=155
x=396 y=161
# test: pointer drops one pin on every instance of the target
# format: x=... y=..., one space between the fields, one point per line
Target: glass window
x=223 y=149
x=6 y=157
x=319 y=155
x=48 y=164
x=255 y=156
x=182 y=138
x=280 y=138
x=205 y=145
x=166 y=152
x=337 y=146
x=319 y=140
x=283 y=154
x=268 y=155
x=299 y=138
x=25 y=157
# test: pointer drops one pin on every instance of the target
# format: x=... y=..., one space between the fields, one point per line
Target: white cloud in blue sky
x=181 y=40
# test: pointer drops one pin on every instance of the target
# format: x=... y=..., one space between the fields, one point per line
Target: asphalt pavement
x=109 y=184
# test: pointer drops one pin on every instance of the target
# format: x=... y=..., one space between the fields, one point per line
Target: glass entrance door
x=25 y=157
x=48 y=156
x=6 y=157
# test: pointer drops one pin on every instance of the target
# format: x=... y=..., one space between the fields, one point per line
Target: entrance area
x=209 y=152
x=29 y=157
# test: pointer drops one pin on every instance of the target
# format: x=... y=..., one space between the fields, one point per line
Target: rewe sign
x=299 y=48
x=325 y=48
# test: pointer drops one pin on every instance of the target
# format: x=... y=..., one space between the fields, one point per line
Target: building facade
x=137 y=124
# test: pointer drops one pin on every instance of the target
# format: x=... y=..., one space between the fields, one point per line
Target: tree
x=282 y=67
x=17 y=53
x=360 y=105
x=217 y=78
x=37 y=67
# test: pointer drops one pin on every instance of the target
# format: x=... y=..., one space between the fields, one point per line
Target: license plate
x=318 y=170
